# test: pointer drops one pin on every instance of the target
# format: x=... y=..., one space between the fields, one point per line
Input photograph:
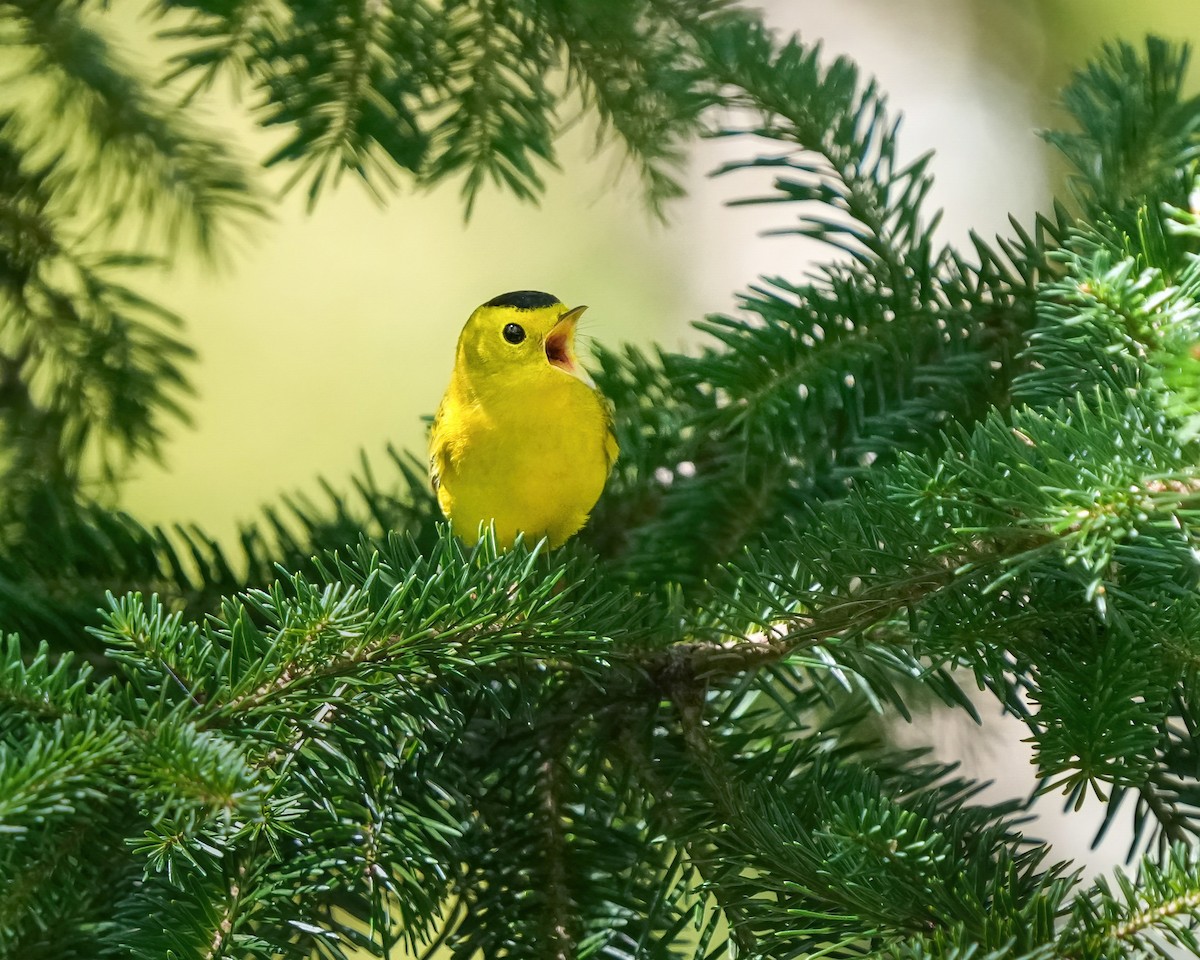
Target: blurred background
x=328 y=335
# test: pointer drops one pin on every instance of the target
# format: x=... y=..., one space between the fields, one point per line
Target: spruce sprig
x=477 y=90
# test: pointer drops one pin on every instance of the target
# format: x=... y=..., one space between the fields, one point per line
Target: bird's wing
x=437 y=450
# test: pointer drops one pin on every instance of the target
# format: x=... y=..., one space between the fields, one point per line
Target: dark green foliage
x=105 y=142
x=1122 y=101
x=59 y=564
x=477 y=89
x=234 y=737
x=92 y=374
x=913 y=467
x=91 y=369
x=821 y=381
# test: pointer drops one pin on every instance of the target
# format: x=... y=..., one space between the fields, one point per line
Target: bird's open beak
x=560 y=346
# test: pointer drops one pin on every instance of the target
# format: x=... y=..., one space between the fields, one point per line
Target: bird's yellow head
x=523 y=335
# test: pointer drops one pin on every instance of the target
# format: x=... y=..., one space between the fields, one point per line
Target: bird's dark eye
x=514 y=332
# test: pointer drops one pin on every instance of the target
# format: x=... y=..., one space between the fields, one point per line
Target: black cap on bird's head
x=503 y=331
x=523 y=300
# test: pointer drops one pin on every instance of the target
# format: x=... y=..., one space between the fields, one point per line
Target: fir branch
x=695 y=857
x=1174 y=826
x=1137 y=134
x=1109 y=323
x=470 y=87
x=51 y=893
x=43 y=688
x=823 y=380
x=848 y=576
x=846 y=154
x=405 y=734
x=354 y=107
x=560 y=935
x=142 y=155
x=55 y=775
x=637 y=65
x=496 y=111
x=92 y=370
x=1187 y=903
x=688 y=701
x=1167 y=808
x=1160 y=906
x=55 y=573
x=227 y=915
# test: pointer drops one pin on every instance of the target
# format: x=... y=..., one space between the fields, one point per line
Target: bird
x=523 y=439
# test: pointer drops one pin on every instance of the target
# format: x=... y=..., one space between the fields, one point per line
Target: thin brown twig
x=687 y=695
x=702 y=860
x=559 y=935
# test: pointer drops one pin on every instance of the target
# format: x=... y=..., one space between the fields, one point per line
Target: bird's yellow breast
x=534 y=463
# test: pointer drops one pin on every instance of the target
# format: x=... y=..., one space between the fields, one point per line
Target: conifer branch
x=1162 y=903
x=143 y=156
x=561 y=937
x=1174 y=827
x=688 y=700
x=227 y=916
x=701 y=856
x=1154 y=916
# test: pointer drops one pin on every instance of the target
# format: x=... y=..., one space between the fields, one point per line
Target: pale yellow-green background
x=332 y=333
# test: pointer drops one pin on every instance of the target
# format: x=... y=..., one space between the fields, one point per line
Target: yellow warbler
x=522 y=438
